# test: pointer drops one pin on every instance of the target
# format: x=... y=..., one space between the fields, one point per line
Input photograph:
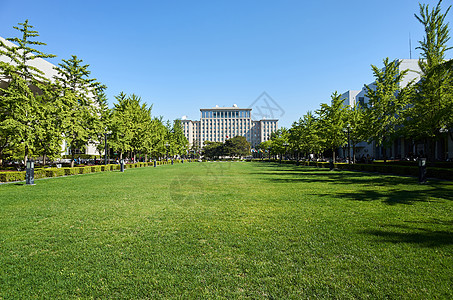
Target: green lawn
x=231 y=230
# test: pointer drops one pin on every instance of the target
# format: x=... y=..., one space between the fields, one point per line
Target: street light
x=30 y=172
x=269 y=150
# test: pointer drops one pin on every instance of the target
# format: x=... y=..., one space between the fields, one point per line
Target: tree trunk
x=44 y=160
x=333 y=155
x=72 y=158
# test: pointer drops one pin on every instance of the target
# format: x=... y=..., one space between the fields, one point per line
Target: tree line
x=421 y=111
x=237 y=146
x=39 y=114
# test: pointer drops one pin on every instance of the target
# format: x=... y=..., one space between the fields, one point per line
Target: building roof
x=225 y=108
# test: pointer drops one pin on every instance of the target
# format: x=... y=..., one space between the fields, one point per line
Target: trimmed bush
x=40 y=173
x=12 y=176
x=79 y=170
x=69 y=171
x=50 y=172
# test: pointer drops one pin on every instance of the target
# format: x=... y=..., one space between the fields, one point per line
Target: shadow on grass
x=400 y=190
x=394 y=196
x=410 y=235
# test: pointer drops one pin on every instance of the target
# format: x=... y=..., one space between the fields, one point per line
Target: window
x=361 y=101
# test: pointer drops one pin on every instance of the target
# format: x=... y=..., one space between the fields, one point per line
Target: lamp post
x=167 y=146
x=30 y=172
x=422 y=170
x=269 y=150
x=286 y=145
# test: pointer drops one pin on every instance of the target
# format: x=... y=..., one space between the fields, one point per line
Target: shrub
x=69 y=171
x=50 y=173
x=40 y=173
x=79 y=170
x=12 y=176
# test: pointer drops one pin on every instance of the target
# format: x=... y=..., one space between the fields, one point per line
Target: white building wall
x=349 y=98
x=221 y=123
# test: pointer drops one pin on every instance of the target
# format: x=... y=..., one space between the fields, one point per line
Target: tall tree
x=305 y=135
x=122 y=126
x=158 y=138
x=178 y=139
x=279 y=138
x=21 y=110
x=79 y=93
x=50 y=141
x=358 y=130
x=432 y=108
x=23 y=52
x=105 y=121
x=387 y=102
x=332 y=122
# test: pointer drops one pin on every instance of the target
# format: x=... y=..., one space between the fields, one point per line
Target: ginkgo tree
x=21 y=110
x=79 y=94
x=332 y=123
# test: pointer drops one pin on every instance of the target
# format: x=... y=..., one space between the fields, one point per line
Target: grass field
x=227 y=230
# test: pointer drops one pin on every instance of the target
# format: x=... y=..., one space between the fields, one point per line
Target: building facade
x=221 y=123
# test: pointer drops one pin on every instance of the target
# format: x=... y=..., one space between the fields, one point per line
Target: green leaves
x=332 y=122
x=387 y=102
x=21 y=112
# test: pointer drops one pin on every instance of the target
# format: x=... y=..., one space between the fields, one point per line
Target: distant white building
x=218 y=124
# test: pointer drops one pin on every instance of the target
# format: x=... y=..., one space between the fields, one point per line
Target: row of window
x=225 y=114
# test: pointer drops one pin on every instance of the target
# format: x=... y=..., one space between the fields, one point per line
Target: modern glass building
x=221 y=123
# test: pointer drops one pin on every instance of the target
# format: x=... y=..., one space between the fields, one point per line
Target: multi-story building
x=221 y=123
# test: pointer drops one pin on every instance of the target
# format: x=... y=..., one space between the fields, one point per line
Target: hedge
x=12 y=176
x=56 y=172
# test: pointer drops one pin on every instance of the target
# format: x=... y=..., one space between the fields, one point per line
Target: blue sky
x=181 y=56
